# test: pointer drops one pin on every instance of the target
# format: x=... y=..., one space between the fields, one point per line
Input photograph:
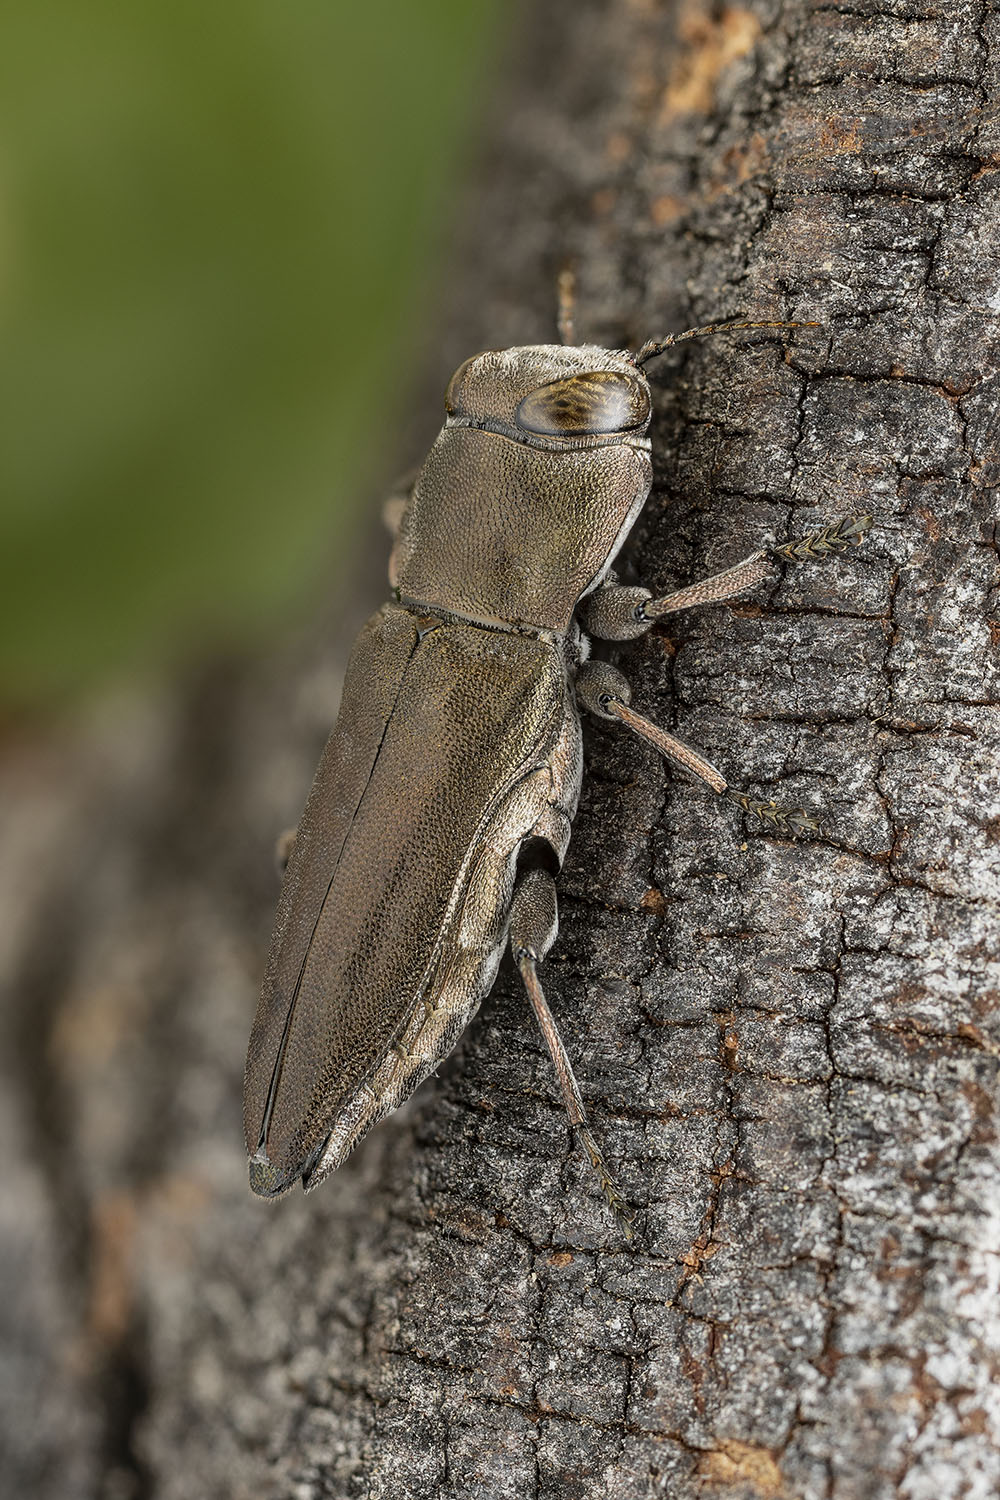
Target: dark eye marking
x=598 y=401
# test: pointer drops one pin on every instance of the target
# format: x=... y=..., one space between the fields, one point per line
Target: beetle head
x=531 y=486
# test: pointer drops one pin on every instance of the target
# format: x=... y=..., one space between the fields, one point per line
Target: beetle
x=441 y=809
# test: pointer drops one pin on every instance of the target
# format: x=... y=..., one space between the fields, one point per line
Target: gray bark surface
x=790 y=1050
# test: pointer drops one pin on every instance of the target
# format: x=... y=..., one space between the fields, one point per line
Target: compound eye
x=599 y=401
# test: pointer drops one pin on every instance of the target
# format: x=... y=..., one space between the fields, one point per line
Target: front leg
x=615 y=613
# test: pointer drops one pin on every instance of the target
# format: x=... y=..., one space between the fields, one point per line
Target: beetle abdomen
x=439 y=766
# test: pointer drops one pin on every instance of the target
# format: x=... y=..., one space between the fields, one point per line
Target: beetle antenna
x=566 y=293
x=653 y=347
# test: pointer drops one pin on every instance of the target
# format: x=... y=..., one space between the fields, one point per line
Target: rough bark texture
x=790 y=1050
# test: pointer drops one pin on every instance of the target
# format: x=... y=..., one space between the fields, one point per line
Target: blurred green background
x=215 y=221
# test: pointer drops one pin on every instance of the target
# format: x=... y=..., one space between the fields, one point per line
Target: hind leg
x=534 y=923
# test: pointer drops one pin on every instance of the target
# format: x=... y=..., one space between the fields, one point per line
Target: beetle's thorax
x=530 y=487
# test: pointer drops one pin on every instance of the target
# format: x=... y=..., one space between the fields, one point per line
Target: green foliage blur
x=214 y=223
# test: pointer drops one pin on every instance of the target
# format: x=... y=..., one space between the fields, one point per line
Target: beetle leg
x=393 y=510
x=846 y=531
x=395 y=504
x=284 y=844
x=534 y=923
x=615 y=613
x=621 y=614
x=604 y=691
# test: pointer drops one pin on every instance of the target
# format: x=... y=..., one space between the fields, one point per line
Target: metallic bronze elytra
x=442 y=806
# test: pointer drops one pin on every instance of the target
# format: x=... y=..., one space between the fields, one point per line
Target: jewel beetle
x=442 y=805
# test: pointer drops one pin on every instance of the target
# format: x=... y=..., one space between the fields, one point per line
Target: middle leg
x=606 y=693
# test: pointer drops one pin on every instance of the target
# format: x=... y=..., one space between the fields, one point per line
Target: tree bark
x=789 y=1050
